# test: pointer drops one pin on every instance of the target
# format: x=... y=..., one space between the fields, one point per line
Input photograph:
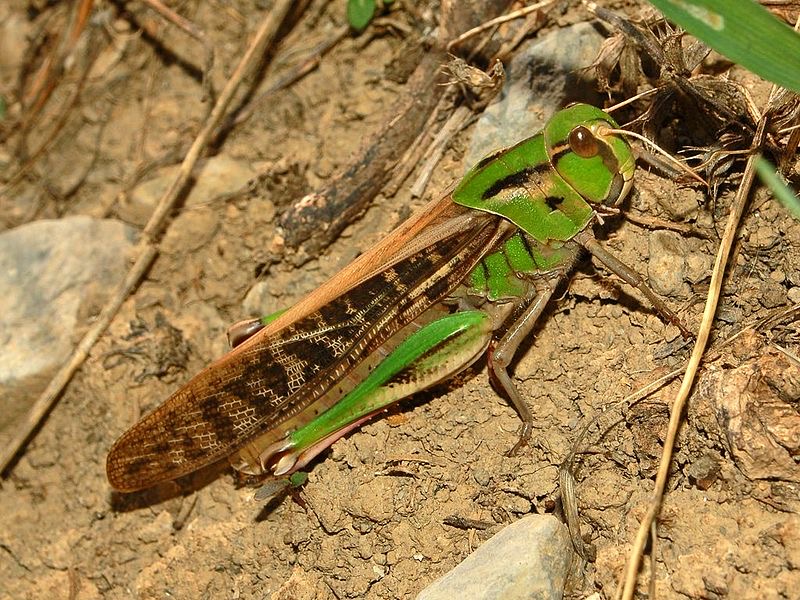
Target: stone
x=528 y=559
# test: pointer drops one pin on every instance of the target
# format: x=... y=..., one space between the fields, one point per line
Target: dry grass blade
x=456 y=122
x=194 y=31
x=305 y=66
x=52 y=67
x=147 y=247
x=45 y=81
x=517 y=14
x=628 y=585
x=569 y=504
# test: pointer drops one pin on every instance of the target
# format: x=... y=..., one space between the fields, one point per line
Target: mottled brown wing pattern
x=257 y=388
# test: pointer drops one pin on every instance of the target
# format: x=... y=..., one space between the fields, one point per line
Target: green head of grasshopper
x=546 y=184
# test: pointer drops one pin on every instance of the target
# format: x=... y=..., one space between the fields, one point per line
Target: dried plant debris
x=749 y=399
x=784 y=118
x=653 y=51
x=716 y=118
x=478 y=87
x=785 y=9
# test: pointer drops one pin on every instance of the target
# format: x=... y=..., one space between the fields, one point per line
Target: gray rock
x=50 y=273
x=544 y=76
x=528 y=559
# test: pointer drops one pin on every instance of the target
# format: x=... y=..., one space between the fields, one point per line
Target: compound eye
x=583 y=143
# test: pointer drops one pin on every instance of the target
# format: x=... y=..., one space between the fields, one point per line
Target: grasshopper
x=470 y=272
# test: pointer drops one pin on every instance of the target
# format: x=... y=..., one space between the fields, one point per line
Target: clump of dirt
x=370 y=521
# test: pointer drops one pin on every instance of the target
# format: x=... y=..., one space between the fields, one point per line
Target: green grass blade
x=743 y=31
x=780 y=190
x=360 y=13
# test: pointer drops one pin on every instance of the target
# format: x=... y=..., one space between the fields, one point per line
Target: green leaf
x=360 y=13
x=780 y=190
x=743 y=31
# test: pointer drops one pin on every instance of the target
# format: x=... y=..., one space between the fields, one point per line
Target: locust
x=467 y=275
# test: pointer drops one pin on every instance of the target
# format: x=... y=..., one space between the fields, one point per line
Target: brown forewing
x=288 y=366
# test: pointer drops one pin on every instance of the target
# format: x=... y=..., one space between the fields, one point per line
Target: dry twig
x=147 y=248
x=195 y=32
x=628 y=585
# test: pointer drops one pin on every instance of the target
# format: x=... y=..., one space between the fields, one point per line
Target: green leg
x=433 y=353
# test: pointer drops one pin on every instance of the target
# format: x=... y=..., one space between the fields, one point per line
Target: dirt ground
x=369 y=523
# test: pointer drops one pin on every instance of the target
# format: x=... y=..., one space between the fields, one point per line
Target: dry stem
x=147 y=248
x=628 y=585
